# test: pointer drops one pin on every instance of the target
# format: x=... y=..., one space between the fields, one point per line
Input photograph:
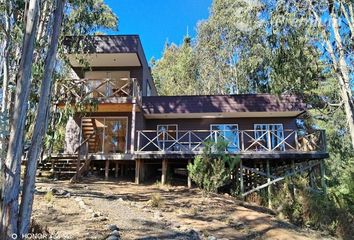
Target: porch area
x=257 y=143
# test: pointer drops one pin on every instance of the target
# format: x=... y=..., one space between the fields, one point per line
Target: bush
x=49 y=196
x=156 y=201
x=213 y=168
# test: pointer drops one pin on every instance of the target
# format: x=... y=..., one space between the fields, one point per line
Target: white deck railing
x=105 y=88
x=239 y=141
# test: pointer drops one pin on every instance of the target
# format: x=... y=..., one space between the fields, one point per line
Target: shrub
x=156 y=200
x=48 y=197
x=213 y=168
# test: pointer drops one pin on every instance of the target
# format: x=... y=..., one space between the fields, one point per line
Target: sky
x=158 y=21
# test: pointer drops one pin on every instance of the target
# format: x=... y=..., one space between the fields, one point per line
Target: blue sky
x=159 y=20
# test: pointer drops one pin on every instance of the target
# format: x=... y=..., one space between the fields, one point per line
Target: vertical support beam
x=164 y=171
x=132 y=134
x=106 y=170
x=242 y=188
x=122 y=170
x=137 y=171
x=269 y=188
x=293 y=169
x=78 y=162
x=323 y=180
x=189 y=180
x=142 y=170
x=116 y=169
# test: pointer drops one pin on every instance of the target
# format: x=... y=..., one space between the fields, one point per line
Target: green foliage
x=175 y=73
x=312 y=208
x=230 y=48
x=86 y=17
x=213 y=168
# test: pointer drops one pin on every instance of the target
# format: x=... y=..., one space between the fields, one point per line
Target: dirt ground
x=84 y=210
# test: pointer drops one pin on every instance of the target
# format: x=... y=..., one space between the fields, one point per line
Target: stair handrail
x=83 y=142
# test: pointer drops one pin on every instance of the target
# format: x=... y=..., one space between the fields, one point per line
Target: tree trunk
x=340 y=65
x=346 y=92
x=11 y=186
x=41 y=121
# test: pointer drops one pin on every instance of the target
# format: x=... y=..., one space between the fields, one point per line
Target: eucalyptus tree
x=175 y=73
x=11 y=185
x=36 y=24
x=335 y=21
x=41 y=120
x=231 y=48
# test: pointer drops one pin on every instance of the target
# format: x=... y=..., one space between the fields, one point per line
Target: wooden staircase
x=60 y=166
x=64 y=166
x=89 y=132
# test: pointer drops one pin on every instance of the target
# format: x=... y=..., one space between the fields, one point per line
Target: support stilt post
x=116 y=170
x=242 y=188
x=106 y=170
x=164 y=171
x=323 y=180
x=293 y=183
x=189 y=180
x=142 y=170
x=122 y=170
x=132 y=134
x=137 y=171
x=269 y=188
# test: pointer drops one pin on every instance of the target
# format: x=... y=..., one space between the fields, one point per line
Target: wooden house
x=132 y=130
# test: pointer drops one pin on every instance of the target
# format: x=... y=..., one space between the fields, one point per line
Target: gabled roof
x=223 y=105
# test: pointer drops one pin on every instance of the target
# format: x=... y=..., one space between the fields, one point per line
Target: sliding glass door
x=227 y=133
x=110 y=135
x=270 y=136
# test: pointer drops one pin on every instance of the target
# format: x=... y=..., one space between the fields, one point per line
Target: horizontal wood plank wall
x=204 y=124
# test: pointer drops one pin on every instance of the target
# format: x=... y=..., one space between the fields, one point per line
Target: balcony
x=105 y=90
x=255 y=143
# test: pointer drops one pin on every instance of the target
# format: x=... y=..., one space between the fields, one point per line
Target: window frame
x=167 y=129
x=238 y=149
x=281 y=146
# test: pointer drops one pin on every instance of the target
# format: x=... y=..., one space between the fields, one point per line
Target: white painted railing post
x=296 y=141
x=138 y=143
x=189 y=141
x=269 y=145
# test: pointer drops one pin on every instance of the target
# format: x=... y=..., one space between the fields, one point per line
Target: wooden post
x=189 y=180
x=137 y=171
x=142 y=170
x=269 y=186
x=323 y=180
x=106 y=170
x=294 y=170
x=164 y=171
x=132 y=134
x=116 y=169
x=242 y=188
x=122 y=169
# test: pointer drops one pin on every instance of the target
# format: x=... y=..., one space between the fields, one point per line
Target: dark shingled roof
x=103 y=44
x=222 y=103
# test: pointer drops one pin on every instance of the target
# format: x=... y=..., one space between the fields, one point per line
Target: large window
x=269 y=136
x=110 y=135
x=228 y=133
x=167 y=132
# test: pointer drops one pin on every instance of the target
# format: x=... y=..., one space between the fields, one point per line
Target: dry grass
x=156 y=201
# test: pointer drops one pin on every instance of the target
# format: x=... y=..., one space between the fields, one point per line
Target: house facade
x=129 y=129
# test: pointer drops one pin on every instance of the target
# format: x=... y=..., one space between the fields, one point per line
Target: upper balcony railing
x=105 y=88
x=239 y=141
